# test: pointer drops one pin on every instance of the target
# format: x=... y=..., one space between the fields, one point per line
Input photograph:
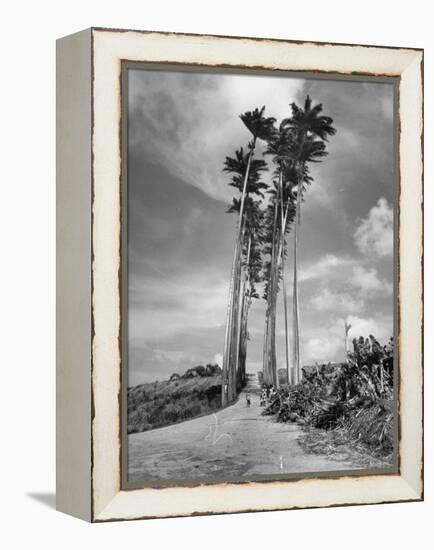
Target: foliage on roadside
x=355 y=397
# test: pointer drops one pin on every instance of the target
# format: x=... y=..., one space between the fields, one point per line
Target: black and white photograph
x=258 y=275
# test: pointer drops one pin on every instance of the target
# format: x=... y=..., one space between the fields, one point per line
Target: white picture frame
x=89 y=169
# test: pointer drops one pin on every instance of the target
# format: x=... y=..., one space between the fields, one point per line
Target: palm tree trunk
x=285 y=302
x=236 y=326
x=226 y=374
x=273 y=356
x=265 y=373
x=285 y=309
x=241 y=312
x=273 y=292
x=229 y=368
x=296 y=316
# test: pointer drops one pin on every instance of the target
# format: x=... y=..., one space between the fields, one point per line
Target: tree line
x=267 y=213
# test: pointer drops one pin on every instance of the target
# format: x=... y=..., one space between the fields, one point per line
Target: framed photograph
x=239 y=274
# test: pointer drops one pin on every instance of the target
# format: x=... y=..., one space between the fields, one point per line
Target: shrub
x=356 y=396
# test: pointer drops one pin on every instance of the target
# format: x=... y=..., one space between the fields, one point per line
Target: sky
x=181 y=126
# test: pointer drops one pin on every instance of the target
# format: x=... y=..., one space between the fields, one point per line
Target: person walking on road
x=247 y=399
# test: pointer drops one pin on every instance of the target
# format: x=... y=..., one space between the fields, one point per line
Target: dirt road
x=236 y=441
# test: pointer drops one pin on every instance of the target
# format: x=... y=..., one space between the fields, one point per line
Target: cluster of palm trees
x=266 y=213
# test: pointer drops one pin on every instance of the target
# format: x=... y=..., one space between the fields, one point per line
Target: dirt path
x=236 y=441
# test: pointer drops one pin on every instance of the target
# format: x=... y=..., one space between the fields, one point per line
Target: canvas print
x=259 y=275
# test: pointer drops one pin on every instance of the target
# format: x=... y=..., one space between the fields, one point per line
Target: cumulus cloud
x=381 y=328
x=322 y=350
x=328 y=344
x=374 y=234
x=328 y=300
x=327 y=266
x=368 y=282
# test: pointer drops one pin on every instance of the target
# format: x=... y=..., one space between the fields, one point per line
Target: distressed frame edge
x=252 y=38
x=73 y=275
x=410 y=490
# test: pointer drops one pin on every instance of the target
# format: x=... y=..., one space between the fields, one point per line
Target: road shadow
x=46 y=499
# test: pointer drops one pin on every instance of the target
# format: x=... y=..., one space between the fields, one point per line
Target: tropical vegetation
x=268 y=208
x=352 y=400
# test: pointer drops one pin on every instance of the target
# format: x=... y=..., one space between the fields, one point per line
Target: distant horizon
x=182 y=125
x=248 y=371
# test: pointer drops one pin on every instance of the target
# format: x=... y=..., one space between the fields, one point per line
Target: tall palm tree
x=260 y=128
x=309 y=130
x=278 y=147
x=271 y=281
x=250 y=275
x=246 y=178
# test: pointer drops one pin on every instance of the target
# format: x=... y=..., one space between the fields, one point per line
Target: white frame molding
x=101 y=51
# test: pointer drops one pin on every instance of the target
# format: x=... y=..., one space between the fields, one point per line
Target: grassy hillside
x=158 y=404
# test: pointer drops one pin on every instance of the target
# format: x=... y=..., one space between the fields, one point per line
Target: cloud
x=218 y=359
x=154 y=363
x=328 y=300
x=381 y=328
x=322 y=350
x=181 y=127
x=374 y=234
x=167 y=306
x=189 y=122
x=328 y=344
x=327 y=266
x=369 y=284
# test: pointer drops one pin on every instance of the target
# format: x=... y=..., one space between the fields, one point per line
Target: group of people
x=267 y=395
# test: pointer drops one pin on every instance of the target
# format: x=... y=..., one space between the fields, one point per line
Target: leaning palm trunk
x=230 y=359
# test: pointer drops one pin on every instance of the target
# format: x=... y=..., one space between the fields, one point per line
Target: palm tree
x=246 y=178
x=309 y=130
x=270 y=291
x=278 y=146
x=245 y=173
x=250 y=275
